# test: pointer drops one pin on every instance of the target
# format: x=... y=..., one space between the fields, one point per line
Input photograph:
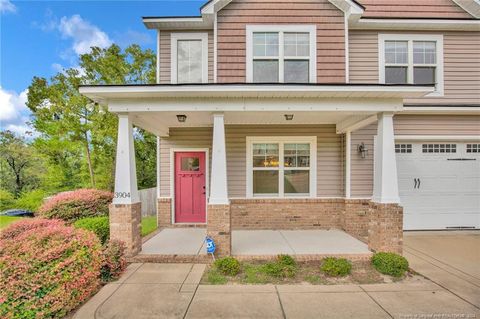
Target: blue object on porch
x=210 y=245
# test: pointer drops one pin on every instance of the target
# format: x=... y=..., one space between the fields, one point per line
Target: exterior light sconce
x=288 y=117
x=181 y=118
x=363 y=150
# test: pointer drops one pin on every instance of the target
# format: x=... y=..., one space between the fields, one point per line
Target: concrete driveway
x=173 y=291
x=451 y=259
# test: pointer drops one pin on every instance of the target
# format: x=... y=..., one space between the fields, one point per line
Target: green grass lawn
x=149 y=224
x=7 y=220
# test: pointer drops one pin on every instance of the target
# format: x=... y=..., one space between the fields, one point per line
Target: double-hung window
x=411 y=59
x=281 y=166
x=281 y=54
x=189 y=57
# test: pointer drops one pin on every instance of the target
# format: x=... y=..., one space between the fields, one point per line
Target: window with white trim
x=281 y=54
x=189 y=57
x=281 y=167
x=411 y=59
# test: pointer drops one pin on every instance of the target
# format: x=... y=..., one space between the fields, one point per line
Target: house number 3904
x=121 y=195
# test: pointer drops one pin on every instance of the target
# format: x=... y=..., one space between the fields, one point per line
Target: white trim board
x=174 y=38
x=410 y=38
x=172 y=180
x=437 y=137
x=312 y=140
x=281 y=29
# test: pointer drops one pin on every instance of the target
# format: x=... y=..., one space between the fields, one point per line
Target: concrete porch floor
x=190 y=241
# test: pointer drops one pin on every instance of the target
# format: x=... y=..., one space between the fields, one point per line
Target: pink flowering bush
x=81 y=203
x=114 y=261
x=47 y=268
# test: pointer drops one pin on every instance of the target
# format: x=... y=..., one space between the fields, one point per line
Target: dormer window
x=189 y=57
x=281 y=54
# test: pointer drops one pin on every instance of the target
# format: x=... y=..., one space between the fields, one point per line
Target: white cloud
x=7 y=6
x=84 y=34
x=13 y=111
x=132 y=37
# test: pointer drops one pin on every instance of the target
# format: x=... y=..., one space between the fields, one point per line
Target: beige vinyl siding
x=165 y=55
x=461 y=65
x=231 y=26
x=329 y=154
x=404 y=124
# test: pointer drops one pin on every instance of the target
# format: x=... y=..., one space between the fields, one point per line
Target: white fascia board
x=348 y=7
x=473 y=110
x=253 y=105
x=415 y=24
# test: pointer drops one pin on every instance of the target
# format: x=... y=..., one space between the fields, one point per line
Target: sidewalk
x=173 y=291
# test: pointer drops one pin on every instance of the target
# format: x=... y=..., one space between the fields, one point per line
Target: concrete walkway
x=449 y=258
x=173 y=291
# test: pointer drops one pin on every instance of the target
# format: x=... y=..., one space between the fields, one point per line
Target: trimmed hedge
x=228 y=266
x=48 y=268
x=74 y=205
x=99 y=225
x=390 y=264
x=336 y=267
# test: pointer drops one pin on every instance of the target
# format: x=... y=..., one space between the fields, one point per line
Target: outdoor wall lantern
x=288 y=117
x=363 y=150
x=181 y=118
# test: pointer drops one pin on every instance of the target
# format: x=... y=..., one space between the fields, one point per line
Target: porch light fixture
x=181 y=118
x=288 y=117
x=363 y=150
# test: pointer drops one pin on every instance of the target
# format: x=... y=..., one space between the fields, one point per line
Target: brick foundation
x=125 y=225
x=218 y=228
x=385 y=227
x=356 y=218
x=164 y=212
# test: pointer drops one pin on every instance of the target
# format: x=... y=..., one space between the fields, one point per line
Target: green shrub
x=390 y=264
x=228 y=266
x=7 y=200
x=74 y=205
x=99 y=225
x=47 y=268
x=31 y=200
x=336 y=267
x=286 y=260
x=279 y=270
x=114 y=261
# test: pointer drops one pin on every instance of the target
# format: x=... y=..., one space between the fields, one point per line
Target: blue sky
x=39 y=38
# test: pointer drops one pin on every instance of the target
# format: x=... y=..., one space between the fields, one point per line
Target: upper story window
x=189 y=57
x=411 y=59
x=281 y=54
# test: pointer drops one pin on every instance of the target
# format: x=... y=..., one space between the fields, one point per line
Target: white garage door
x=439 y=184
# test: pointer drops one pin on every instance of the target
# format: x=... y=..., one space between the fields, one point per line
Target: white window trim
x=311 y=29
x=438 y=38
x=312 y=140
x=174 y=37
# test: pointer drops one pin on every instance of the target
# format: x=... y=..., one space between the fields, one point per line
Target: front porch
x=172 y=244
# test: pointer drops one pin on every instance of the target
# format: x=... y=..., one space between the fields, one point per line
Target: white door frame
x=172 y=179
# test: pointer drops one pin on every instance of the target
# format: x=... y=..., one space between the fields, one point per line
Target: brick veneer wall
x=164 y=212
x=286 y=213
x=385 y=231
x=219 y=228
x=356 y=218
x=125 y=225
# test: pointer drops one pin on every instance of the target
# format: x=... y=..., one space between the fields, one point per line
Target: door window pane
x=424 y=52
x=265 y=44
x=265 y=155
x=396 y=52
x=265 y=182
x=296 y=71
x=395 y=75
x=297 y=182
x=424 y=75
x=190 y=164
x=189 y=61
x=265 y=71
x=297 y=44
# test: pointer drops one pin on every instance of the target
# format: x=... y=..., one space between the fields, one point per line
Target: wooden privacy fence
x=148 y=198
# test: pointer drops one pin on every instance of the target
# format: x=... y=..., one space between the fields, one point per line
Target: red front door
x=190 y=203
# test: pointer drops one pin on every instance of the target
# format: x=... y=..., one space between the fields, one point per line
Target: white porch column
x=385 y=186
x=218 y=176
x=348 y=160
x=126 y=191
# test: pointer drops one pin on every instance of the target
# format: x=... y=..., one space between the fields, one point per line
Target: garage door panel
x=449 y=190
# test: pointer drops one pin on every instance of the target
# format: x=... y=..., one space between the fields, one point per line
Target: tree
x=19 y=165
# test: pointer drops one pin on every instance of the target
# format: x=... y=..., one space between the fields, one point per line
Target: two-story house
x=362 y=116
